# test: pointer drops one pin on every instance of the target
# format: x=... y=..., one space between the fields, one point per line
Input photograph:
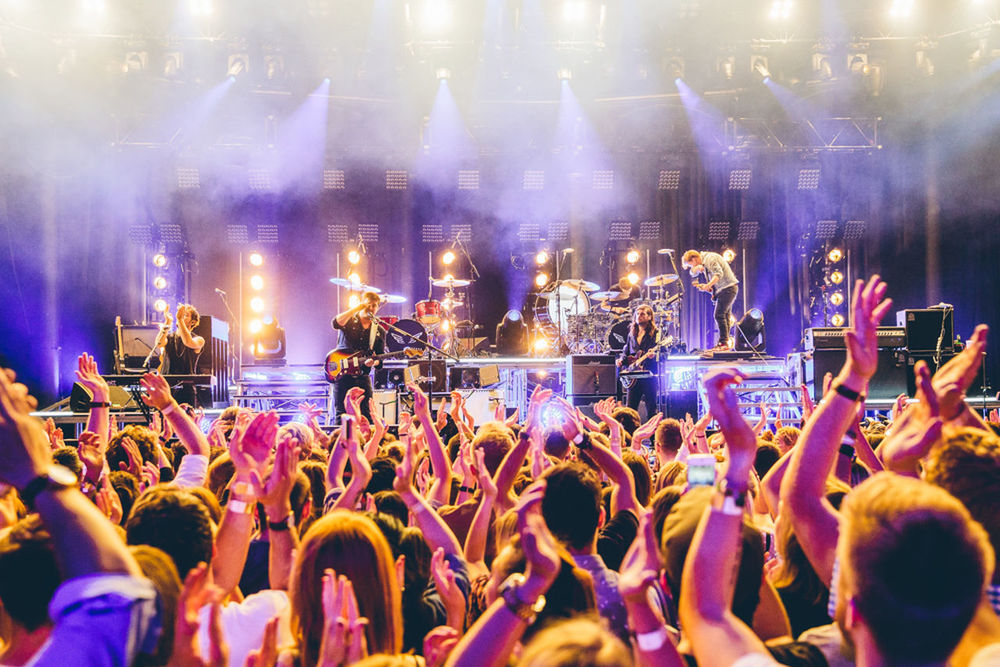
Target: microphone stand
x=429 y=346
x=468 y=290
x=237 y=360
x=680 y=295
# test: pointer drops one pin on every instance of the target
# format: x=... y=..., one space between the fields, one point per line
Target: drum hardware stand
x=429 y=346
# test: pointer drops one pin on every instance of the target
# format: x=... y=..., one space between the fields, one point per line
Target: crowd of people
x=556 y=539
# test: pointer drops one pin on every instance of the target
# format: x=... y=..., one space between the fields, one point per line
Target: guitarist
x=721 y=282
x=357 y=332
x=642 y=338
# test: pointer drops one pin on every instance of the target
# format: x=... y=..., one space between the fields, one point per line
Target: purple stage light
x=302 y=143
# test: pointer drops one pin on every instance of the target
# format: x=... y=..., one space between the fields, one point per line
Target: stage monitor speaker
x=591 y=375
x=681 y=403
x=888 y=383
x=120 y=399
x=926 y=326
x=432 y=374
x=473 y=377
x=390 y=378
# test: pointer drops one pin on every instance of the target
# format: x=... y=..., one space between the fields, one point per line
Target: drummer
x=626 y=294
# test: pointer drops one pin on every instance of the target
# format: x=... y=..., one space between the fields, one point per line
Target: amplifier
x=832 y=338
x=888 y=382
x=926 y=326
x=591 y=375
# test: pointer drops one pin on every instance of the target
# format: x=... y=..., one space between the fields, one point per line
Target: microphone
x=220 y=292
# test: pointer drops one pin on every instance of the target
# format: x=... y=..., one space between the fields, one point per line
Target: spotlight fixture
x=632 y=256
x=540 y=345
x=257 y=304
x=269 y=341
x=751 y=331
x=837 y=298
x=239 y=64
x=257 y=282
x=353 y=256
x=565 y=74
x=835 y=255
x=255 y=259
x=837 y=320
x=512 y=334
x=159 y=282
x=354 y=278
x=729 y=255
x=255 y=326
x=353 y=301
x=442 y=73
x=633 y=278
x=574 y=11
x=541 y=257
x=541 y=279
x=759 y=67
x=836 y=277
x=159 y=260
x=160 y=305
x=448 y=257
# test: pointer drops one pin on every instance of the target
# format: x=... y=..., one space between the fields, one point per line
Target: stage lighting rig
x=541 y=279
x=442 y=73
x=238 y=65
x=633 y=256
x=257 y=282
x=255 y=259
x=564 y=74
x=834 y=255
x=729 y=255
x=448 y=258
x=541 y=257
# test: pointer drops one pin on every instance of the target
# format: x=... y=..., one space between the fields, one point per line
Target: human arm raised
x=620 y=474
x=435 y=531
x=439 y=457
x=157 y=395
x=99 y=419
x=803 y=498
x=475 y=541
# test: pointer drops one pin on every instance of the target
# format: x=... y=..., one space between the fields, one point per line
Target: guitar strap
x=372 y=333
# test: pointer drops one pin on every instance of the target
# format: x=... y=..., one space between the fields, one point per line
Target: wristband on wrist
x=847 y=392
x=847 y=450
x=652 y=640
x=100 y=404
x=467 y=489
x=171 y=407
x=239 y=506
x=284 y=525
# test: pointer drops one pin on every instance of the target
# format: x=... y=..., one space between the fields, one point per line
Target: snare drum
x=618 y=335
x=429 y=312
x=411 y=334
x=389 y=319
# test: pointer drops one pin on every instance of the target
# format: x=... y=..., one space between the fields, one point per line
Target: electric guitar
x=344 y=363
x=634 y=371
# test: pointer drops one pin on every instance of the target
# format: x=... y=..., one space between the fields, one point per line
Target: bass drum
x=408 y=333
x=618 y=335
x=555 y=305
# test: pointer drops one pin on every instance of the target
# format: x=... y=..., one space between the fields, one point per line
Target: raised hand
x=89 y=449
x=344 y=640
x=88 y=375
x=150 y=475
x=954 y=378
x=198 y=592
x=250 y=445
x=722 y=401
x=442 y=415
x=539 y=546
x=486 y=483
x=24 y=449
x=108 y=501
x=645 y=431
x=421 y=405
x=539 y=396
x=439 y=643
x=451 y=594
x=641 y=564
x=156 y=391
x=134 y=464
x=310 y=410
x=868 y=308
x=267 y=654
x=916 y=431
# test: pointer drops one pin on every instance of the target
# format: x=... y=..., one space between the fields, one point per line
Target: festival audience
x=556 y=540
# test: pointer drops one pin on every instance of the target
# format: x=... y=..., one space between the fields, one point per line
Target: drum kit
x=588 y=321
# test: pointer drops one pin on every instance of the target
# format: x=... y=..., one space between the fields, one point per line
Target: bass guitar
x=344 y=363
x=634 y=370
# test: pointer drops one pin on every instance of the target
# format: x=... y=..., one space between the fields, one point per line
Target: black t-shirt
x=355 y=337
x=616 y=537
x=181 y=359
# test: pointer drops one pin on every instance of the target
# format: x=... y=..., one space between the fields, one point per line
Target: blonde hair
x=576 y=641
x=688 y=256
x=352 y=545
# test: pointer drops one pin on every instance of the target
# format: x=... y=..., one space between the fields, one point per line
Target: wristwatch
x=509 y=590
x=728 y=499
x=55 y=478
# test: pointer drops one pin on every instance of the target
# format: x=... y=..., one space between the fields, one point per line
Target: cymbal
x=661 y=280
x=607 y=294
x=357 y=287
x=581 y=284
x=394 y=298
x=450 y=282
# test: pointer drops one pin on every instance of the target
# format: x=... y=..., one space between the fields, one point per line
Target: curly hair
x=143 y=437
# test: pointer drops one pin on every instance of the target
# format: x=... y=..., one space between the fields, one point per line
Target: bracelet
x=847 y=450
x=578 y=439
x=100 y=404
x=847 y=392
x=283 y=525
x=652 y=640
x=239 y=507
x=172 y=407
x=467 y=489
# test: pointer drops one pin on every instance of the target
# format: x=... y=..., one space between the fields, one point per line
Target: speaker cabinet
x=591 y=375
x=926 y=326
x=888 y=383
x=429 y=375
x=911 y=378
x=680 y=403
x=119 y=397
